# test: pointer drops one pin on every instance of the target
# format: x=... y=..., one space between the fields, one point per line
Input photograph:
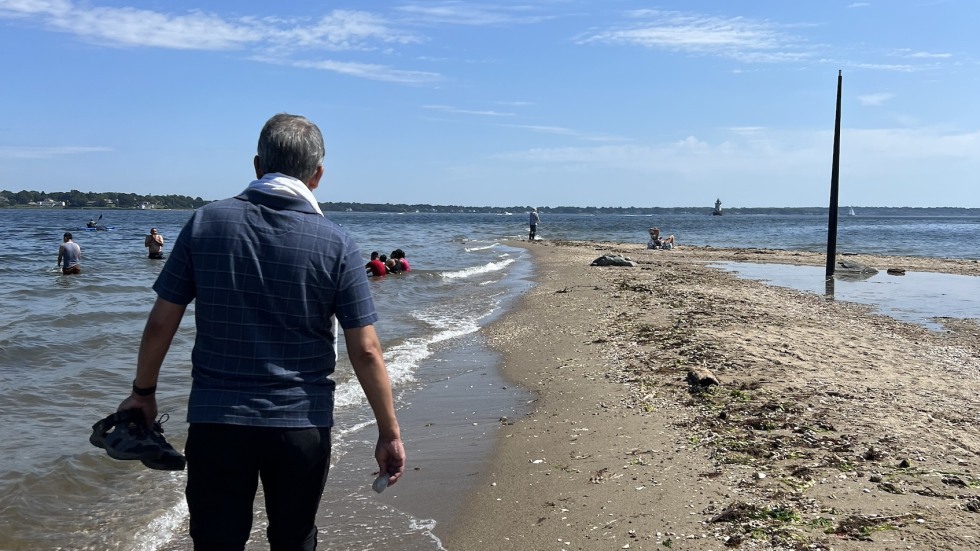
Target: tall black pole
x=834 y=182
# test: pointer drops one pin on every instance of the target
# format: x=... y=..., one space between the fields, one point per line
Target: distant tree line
x=75 y=199
x=738 y=211
x=401 y=207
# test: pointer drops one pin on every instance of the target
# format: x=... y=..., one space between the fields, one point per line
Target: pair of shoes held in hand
x=124 y=435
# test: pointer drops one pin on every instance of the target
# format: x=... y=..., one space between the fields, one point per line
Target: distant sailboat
x=850 y=211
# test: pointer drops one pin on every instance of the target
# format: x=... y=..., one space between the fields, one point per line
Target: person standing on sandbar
x=69 y=256
x=533 y=223
x=272 y=279
x=154 y=242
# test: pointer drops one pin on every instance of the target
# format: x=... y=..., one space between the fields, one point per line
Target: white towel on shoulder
x=280 y=184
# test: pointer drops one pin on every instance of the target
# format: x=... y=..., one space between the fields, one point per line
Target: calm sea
x=68 y=347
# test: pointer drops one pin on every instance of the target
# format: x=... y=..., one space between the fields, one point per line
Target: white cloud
x=891 y=145
x=457 y=110
x=740 y=38
x=133 y=27
x=896 y=67
x=765 y=167
x=875 y=100
x=758 y=151
x=363 y=70
x=471 y=13
x=24 y=152
x=23 y=8
x=340 y=30
x=929 y=55
x=560 y=131
x=267 y=39
x=748 y=130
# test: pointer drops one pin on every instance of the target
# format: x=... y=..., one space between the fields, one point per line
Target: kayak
x=98 y=228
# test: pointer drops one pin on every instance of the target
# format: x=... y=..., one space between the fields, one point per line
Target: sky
x=610 y=103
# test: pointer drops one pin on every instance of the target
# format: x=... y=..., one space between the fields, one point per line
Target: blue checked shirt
x=270 y=275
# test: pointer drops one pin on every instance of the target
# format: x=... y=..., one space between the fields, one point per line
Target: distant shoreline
x=354 y=208
x=747 y=211
x=100 y=209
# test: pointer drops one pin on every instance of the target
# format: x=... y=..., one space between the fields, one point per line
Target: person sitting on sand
x=658 y=242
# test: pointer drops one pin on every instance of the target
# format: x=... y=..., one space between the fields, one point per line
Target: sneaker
x=169 y=458
x=102 y=427
x=124 y=435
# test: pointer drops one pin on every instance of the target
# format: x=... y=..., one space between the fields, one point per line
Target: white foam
x=162 y=529
x=477 y=270
x=403 y=360
x=341 y=432
x=471 y=249
x=426 y=526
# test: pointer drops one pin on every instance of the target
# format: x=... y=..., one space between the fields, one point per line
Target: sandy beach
x=830 y=426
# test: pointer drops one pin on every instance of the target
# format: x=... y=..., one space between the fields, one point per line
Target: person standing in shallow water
x=261 y=404
x=69 y=256
x=533 y=223
x=154 y=242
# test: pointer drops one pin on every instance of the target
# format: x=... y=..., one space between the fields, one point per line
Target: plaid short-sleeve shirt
x=270 y=277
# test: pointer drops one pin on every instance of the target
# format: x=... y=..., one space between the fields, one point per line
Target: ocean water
x=915 y=297
x=68 y=347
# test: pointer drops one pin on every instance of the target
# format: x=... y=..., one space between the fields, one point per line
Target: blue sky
x=540 y=102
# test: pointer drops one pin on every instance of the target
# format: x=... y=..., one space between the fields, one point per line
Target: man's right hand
x=147 y=405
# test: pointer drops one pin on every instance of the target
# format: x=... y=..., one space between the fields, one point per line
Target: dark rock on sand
x=701 y=378
x=609 y=260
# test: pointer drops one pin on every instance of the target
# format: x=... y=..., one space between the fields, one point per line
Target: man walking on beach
x=272 y=279
x=69 y=256
x=533 y=222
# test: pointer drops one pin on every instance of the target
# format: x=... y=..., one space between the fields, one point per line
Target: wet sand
x=831 y=426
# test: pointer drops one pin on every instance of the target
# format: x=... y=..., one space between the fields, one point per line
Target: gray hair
x=290 y=145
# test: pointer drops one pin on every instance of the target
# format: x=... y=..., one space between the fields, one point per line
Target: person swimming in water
x=401 y=263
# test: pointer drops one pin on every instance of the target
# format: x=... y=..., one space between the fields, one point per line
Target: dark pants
x=69 y=270
x=155 y=256
x=224 y=465
x=533 y=232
